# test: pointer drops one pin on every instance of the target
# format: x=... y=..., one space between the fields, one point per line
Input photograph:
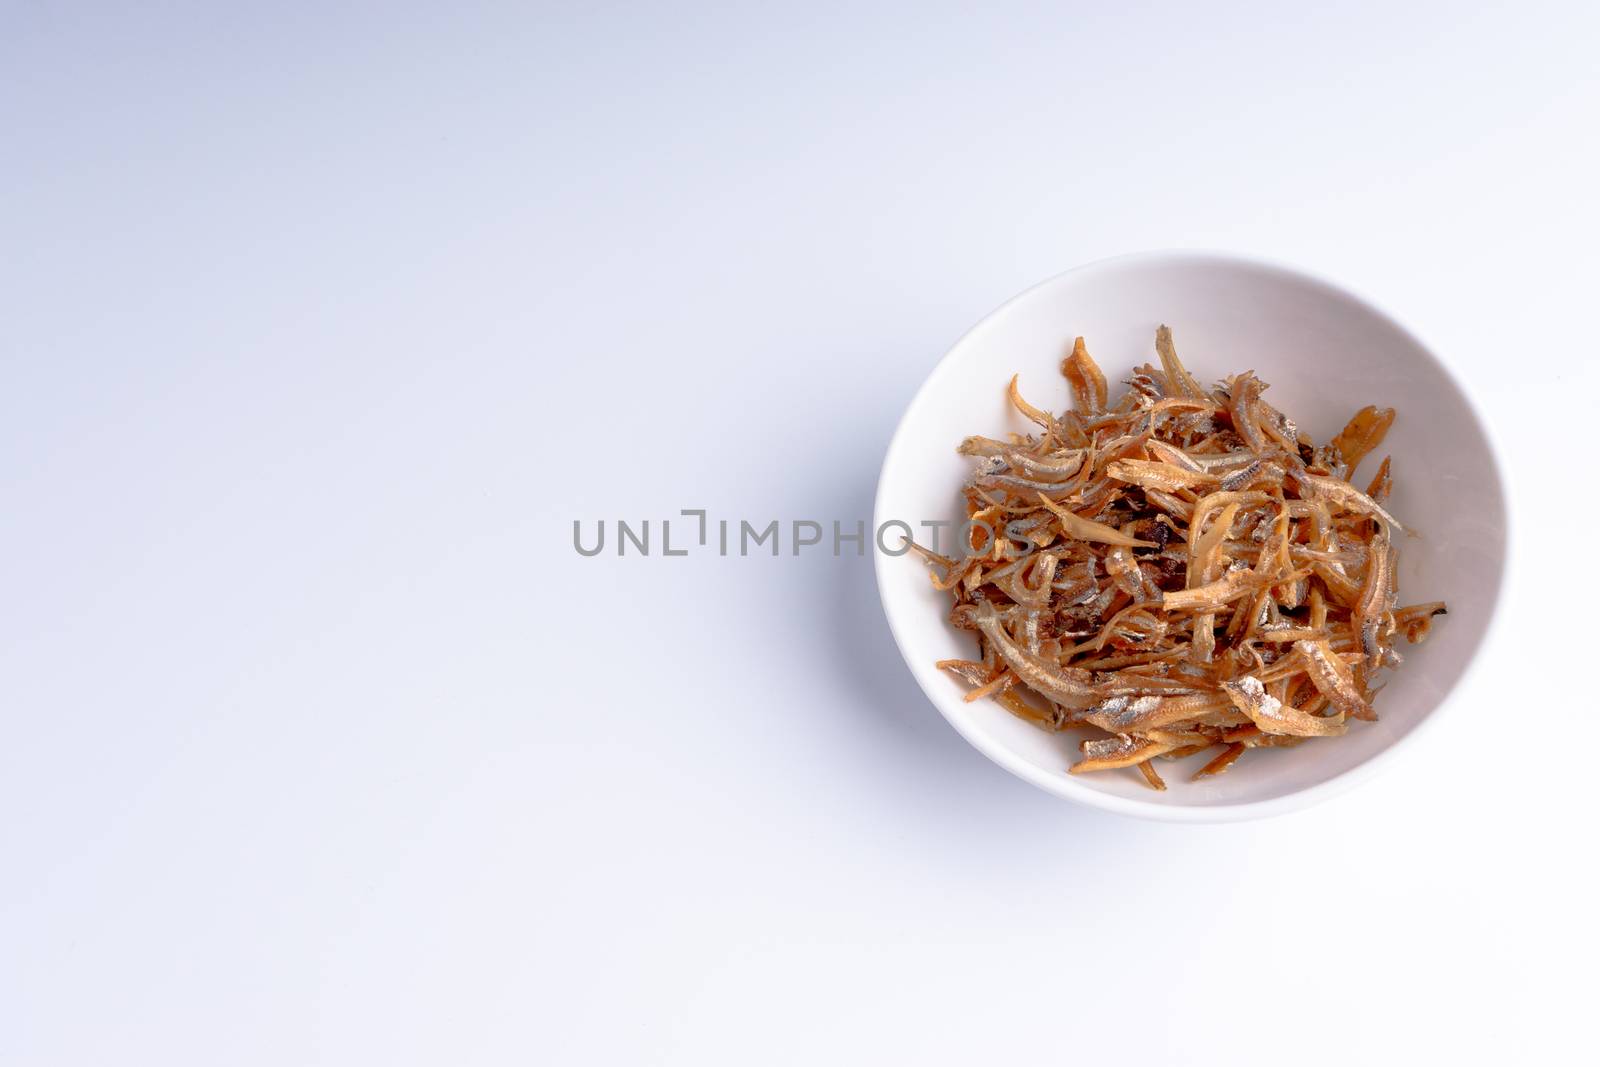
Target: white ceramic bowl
x=1325 y=353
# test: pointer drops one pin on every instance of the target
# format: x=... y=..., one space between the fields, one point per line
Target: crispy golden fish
x=1180 y=571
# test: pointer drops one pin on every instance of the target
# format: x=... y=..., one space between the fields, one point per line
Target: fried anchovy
x=1087 y=382
x=1118 y=751
x=1272 y=715
x=1068 y=686
x=1333 y=679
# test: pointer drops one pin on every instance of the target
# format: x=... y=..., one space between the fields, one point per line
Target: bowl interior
x=1324 y=354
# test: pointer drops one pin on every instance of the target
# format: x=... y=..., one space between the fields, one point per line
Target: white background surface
x=320 y=326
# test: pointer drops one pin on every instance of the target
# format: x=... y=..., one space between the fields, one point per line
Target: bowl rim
x=1060 y=784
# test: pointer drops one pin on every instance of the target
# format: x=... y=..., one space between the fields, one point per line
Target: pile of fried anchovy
x=1182 y=570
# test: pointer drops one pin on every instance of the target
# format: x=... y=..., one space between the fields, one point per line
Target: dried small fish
x=1124 y=714
x=1177 y=457
x=1088 y=384
x=986 y=446
x=1179 y=381
x=1213 y=596
x=1236 y=480
x=1166 y=477
x=1334 y=679
x=1181 y=569
x=1349 y=497
x=1069 y=686
x=1243 y=392
x=1055 y=467
x=1377 y=597
x=1362 y=434
x=1273 y=716
x=1014 y=484
x=1118 y=751
x=1030 y=412
x=1081 y=529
